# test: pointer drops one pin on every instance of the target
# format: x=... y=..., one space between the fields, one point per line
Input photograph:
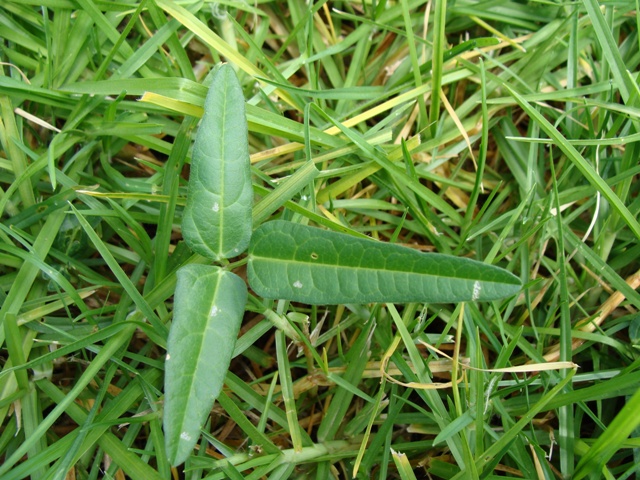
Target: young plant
x=209 y=301
x=286 y=261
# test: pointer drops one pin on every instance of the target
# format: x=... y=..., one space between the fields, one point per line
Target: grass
x=501 y=131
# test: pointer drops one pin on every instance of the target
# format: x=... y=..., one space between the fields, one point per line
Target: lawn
x=498 y=131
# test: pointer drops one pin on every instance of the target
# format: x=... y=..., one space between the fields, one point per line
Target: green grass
x=521 y=152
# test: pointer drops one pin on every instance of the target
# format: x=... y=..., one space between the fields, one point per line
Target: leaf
x=309 y=265
x=217 y=218
x=585 y=168
x=209 y=305
x=403 y=465
x=457 y=425
x=611 y=440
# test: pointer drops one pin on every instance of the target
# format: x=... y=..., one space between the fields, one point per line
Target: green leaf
x=403 y=465
x=217 y=218
x=209 y=305
x=611 y=440
x=309 y=265
x=585 y=168
x=456 y=426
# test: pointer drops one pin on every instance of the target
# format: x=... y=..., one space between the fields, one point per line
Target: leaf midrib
x=391 y=271
x=223 y=163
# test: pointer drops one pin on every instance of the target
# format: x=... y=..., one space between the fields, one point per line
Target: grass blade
x=625 y=422
x=579 y=161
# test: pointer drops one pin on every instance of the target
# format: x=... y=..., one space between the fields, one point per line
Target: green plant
x=526 y=157
x=286 y=261
x=209 y=301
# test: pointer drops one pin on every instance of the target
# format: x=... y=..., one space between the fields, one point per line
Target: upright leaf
x=309 y=265
x=611 y=440
x=217 y=218
x=209 y=304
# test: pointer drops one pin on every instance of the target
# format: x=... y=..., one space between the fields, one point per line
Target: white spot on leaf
x=185 y=436
x=297 y=284
x=216 y=207
x=214 y=311
x=476 y=290
x=168 y=357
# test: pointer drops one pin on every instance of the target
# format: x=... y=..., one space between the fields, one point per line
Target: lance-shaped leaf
x=309 y=265
x=209 y=305
x=217 y=218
